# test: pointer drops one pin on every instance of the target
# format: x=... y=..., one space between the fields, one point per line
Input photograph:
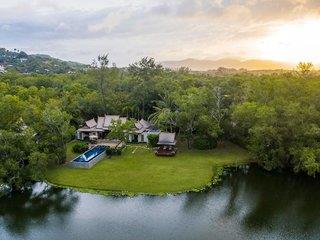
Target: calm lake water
x=248 y=204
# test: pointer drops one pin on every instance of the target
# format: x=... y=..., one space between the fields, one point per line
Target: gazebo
x=166 y=144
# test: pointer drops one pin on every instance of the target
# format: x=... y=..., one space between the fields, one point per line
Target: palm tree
x=165 y=113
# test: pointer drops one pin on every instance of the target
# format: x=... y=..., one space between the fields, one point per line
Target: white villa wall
x=82 y=135
x=142 y=137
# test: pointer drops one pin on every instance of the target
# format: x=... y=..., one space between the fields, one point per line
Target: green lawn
x=138 y=170
x=70 y=154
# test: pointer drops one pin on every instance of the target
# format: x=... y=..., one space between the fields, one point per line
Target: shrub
x=153 y=140
x=112 y=151
x=204 y=143
x=79 y=147
x=109 y=151
x=116 y=151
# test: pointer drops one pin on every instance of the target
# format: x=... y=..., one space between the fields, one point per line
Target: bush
x=113 y=152
x=79 y=147
x=116 y=151
x=109 y=151
x=153 y=140
x=204 y=143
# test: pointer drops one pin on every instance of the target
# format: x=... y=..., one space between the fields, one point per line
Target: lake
x=249 y=203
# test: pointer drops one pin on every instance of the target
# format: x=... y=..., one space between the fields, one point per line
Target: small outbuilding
x=142 y=129
x=166 y=144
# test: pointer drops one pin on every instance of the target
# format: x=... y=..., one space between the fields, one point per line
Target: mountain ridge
x=36 y=63
x=207 y=64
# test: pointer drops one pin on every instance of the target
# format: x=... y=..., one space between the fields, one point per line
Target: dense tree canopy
x=275 y=116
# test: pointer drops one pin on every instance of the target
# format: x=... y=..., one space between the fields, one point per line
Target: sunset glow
x=286 y=30
x=292 y=42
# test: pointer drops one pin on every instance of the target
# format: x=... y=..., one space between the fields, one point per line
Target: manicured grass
x=138 y=170
x=70 y=154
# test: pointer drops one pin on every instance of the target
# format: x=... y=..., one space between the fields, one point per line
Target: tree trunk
x=102 y=92
x=190 y=137
x=189 y=142
x=143 y=106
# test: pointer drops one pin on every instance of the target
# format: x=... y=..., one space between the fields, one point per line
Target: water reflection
x=231 y=207
x=249 y=203
x=267 y=201
x=20 y=211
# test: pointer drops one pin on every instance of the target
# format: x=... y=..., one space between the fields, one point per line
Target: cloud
x=80 y=29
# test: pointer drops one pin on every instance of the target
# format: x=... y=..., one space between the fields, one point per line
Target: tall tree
x=20 y=161
x=11 y=108
x=191 y=107
x=305 y=67
x=100 y=72
x=54 y=132
x=217 y=109
x=144 y=73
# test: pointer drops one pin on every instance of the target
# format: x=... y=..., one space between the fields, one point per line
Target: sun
x=292 y=42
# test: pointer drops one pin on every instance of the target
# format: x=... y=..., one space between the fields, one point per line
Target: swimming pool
x=89 y=158
x=90 y=154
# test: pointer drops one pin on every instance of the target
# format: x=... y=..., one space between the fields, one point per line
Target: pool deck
x=107 y=143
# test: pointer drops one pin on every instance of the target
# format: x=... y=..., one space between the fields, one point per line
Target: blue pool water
x=90 y=154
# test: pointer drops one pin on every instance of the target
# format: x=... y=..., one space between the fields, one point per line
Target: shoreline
x=216 y=178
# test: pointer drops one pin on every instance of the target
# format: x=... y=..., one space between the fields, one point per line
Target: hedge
x=204 y=143
x=79 y=147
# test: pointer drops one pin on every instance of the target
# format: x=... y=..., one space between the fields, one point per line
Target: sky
x=80 y=30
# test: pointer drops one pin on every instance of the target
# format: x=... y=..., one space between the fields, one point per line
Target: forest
x=275 y=116
x=36 y=63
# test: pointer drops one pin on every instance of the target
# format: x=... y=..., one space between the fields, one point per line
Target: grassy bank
x=70 y=154
x=138 y=170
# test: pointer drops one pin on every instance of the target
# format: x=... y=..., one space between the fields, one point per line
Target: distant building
x=142 y=129
x=93 y=129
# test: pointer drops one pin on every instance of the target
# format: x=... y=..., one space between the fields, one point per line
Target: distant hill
x=205 y=65
x=36 y=63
